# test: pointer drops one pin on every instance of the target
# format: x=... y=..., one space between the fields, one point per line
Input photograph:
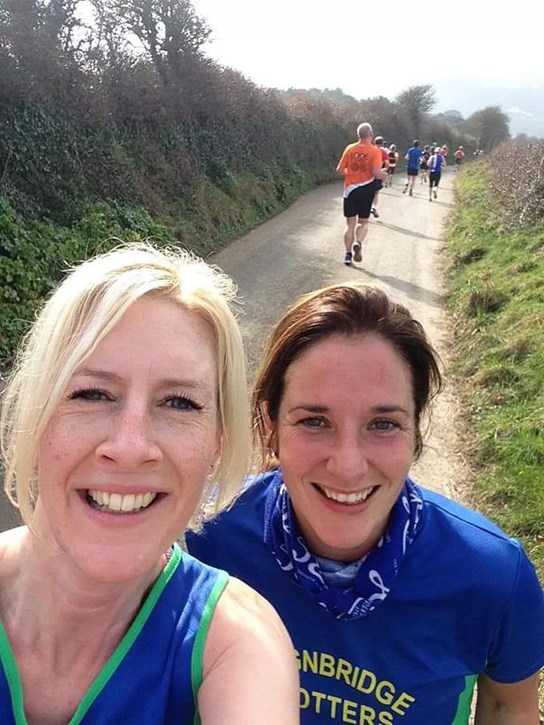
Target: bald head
x=364 y=131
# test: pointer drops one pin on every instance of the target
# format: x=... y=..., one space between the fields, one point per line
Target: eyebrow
x=377 y=409
x=190 y=383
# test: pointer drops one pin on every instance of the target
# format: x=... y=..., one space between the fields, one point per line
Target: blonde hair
x=80 y=313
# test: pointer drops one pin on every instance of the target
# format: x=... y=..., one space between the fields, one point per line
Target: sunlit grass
x=496 y=295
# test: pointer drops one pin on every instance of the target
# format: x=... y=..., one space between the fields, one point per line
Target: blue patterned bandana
x=376 y=571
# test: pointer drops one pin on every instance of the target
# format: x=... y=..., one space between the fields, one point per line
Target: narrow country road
x=301 y=249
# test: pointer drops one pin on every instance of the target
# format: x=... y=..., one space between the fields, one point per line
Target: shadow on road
x=410 y=232
x=414 y=291
x=438 y=202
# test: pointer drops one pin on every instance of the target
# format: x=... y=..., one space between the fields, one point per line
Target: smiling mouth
x=347 y=499
x=117 y=503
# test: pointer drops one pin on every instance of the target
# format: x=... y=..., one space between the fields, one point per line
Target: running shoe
x=357 y=256
x=348 y=259
x=435 y=195
x=411 y=192
x=374 y=213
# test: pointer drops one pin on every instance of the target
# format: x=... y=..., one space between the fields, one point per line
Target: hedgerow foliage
x=518 y=180
x=34 y=256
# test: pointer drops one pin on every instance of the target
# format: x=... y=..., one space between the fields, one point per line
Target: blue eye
x=313 y=422
x=385 y=425
x=91 y=394
x=180 y=402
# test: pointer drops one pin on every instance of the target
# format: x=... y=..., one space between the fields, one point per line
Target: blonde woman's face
x=125 y=456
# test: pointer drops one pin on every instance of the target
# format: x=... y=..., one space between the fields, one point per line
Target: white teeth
x=349 y=498
x=115 y=501
x=129 y=503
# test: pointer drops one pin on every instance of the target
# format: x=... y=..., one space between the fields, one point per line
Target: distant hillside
x=524 y=103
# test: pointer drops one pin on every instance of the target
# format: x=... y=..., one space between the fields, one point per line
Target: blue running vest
x=154 y=674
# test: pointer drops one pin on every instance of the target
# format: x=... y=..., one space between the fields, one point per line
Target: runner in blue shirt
x=413 y=156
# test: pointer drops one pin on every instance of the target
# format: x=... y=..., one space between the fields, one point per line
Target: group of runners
x=368 y=164
x=428 y=164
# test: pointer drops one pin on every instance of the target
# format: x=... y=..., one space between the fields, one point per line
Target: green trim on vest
x=201 y=635
x=462 y=715
x=12 y=673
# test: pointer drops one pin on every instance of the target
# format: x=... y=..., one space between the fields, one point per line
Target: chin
x=117 y=565
x=343 y=548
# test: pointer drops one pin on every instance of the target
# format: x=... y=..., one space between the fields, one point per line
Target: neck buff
x=376 y=571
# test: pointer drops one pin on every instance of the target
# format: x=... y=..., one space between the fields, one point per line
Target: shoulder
x=13 y=545
x=248 y=650
x=456 y=512
x=242 y=612
x=254 y=493
x=466 y=550
x=245 y=518
x=12 y=538
x=448 y=520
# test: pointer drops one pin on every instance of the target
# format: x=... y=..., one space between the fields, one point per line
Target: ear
x=269 y=428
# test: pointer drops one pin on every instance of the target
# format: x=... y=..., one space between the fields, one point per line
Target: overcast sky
x=378 y=48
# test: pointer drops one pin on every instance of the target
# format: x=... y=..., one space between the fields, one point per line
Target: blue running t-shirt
x=466 y=600
x=414 y=155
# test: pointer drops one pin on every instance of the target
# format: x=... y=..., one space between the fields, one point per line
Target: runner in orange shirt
x=361 y=166
x=459 y=155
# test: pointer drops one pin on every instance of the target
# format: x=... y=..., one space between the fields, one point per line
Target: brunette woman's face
x=345 y=436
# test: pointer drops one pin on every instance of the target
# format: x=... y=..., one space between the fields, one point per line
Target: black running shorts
x=359 y=201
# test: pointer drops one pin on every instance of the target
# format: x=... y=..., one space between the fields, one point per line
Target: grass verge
x=496 y=296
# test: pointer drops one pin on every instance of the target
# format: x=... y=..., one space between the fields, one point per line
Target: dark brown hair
x=342 y=310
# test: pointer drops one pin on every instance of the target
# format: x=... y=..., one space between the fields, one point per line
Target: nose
x=348 y=457
x=130 y=438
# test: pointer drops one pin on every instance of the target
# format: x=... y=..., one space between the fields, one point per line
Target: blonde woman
x=128 y=395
